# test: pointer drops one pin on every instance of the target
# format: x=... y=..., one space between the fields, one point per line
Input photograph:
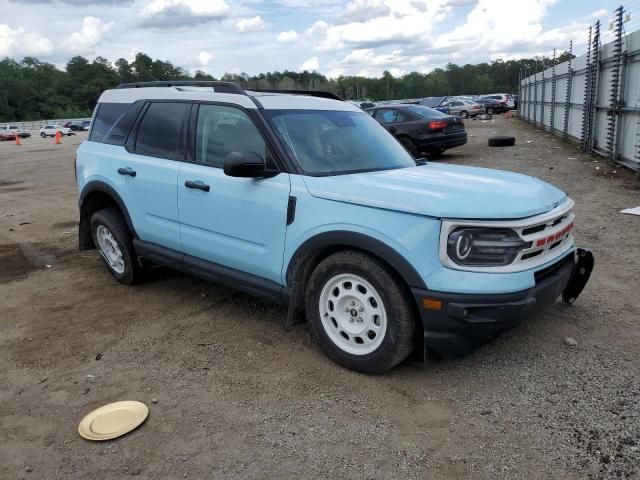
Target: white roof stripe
x=275 y=101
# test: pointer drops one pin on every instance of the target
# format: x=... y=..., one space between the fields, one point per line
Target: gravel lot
x=238 y=397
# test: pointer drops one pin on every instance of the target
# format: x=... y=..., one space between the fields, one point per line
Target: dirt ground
x=238 y=397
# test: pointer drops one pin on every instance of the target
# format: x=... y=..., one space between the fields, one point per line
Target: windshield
x=334 y=142
x=426 y=112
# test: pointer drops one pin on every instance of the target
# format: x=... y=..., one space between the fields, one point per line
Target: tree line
x=31 y=89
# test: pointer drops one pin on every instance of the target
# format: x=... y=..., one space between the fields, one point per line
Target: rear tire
x=43 y=135
x=114 y=242
x=490 y=111
x=359 y=312
x=464 y=114
x=410 y=146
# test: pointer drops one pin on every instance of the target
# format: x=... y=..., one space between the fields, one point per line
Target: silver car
x=464 y=108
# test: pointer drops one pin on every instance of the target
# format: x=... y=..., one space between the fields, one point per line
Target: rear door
x=146 y=171
x=239 y=223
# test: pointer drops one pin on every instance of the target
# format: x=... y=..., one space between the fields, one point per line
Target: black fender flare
x=97 y=186
x=360 y=241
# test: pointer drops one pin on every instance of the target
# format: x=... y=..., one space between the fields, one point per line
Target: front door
x=239 y=223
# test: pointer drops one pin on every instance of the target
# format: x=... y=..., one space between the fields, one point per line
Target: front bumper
x=464 y=322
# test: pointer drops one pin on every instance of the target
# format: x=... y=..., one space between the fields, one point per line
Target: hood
x=442 y=191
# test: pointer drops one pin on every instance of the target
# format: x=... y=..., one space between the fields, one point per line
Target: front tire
x=464 y=114
x=113 y=241
x=490 y=111
x=43 y=135
x=359 y=312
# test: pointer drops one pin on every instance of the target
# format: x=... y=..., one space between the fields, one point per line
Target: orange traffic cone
x=58 y=137
x=18 y=141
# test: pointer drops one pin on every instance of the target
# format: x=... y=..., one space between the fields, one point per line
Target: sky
x=333 y=37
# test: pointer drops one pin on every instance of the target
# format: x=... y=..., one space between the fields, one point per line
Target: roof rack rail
x=220 y=87
x=310 y=93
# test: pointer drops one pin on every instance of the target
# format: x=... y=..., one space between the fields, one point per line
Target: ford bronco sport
x=308 y=201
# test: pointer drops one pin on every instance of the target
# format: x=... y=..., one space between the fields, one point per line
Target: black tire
x=112 y=220
x=490 y=111
x=502 y=141
x=409 y=145
x=43 y=135
x=464 y=114
x=398 y=340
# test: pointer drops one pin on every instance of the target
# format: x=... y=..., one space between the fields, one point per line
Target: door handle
x=197 y=185
x=127 y=171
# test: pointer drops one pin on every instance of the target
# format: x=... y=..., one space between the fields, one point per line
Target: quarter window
x=106 y=116
x=222 y=130
x=386 y=116
x=161 y=131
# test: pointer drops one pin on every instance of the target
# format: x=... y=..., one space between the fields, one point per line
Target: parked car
x=464 y=108
x=6 y=135
x=492 y=106
x=421 y=130
x=502 y=97
x=310 y=202
x=86 y=125
x=438 y=103
x=50 y=131
x=21 y=132
x=73 y=126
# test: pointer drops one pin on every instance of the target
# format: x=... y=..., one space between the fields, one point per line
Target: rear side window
x=161 y=131
x=386 y=116
x=117 y=135
x=105 y=118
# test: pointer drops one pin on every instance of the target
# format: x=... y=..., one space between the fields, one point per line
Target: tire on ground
x=397 y=343
x=502 y=141
x=112 y=219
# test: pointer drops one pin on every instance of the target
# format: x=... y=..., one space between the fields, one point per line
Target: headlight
x=481 y=247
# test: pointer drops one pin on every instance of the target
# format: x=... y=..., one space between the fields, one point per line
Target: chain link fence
x=593 y=99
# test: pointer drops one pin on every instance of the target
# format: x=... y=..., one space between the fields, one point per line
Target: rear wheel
x=43 y=135
x=409 y=145
x=490 y=110
x=114 y=243
x=359 y=312
x=464 y=114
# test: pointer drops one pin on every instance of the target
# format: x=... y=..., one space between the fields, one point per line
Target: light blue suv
x=306 y=200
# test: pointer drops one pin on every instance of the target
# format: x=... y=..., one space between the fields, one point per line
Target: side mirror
x=247 y=165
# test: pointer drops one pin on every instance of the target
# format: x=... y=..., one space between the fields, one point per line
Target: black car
x=492 y=106
x=422 y=130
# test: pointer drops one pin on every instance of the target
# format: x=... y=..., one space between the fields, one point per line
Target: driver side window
x=222 y=130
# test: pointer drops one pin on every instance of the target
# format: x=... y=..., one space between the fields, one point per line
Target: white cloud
x=179 y=13
x=312 y=64
x=288 y=37
x=204 y=58
x=596 y=15
x=363 y=10
x=90 y=35
x=406 y=21
x=18 y=42
x=252 y=24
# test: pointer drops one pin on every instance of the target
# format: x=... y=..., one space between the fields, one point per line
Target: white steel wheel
x=109 y=249
x=352 y=314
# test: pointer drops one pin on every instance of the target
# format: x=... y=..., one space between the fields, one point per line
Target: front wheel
x=114 y=243
x=359 y=312
x=43 y=135
x=464 y=114
x=490 y=111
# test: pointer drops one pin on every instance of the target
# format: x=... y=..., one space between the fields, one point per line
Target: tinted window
x=117 y=135
x=403 y=117
x=386 y=116
x=161 y=130
x=222 y=130
x=106 y=116
x=426 y=112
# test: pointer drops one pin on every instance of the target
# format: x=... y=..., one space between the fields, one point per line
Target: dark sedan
x=422 y=130
x=492 y=106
